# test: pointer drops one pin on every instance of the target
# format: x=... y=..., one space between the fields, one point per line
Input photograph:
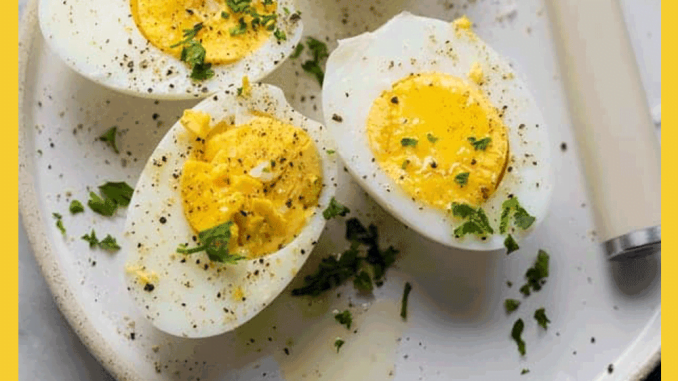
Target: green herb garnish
x=431 y=138
x=362 y=282
x=524 y=371
x=104 y=206
x=344 y=318
x=516 y=332
x=193 y=53
x=109 y=243
x=319 y=52
x=59 y=223
x=540 y=317
x=335 y=209
x=333 y=272
x=188 y=35
x=511 y=305
x=510 y=244
x=225 y=15
x=297 y=51
x=521 y=217
x=338 y=343
x=537 y=274
x=238 y=6
x=214 y=242
x=109 y=137
x=241 y=28
x=91 y=238
x=405 y=164
x=461 y=179
x=76 y=207
x=280 y=35
x=119 y=192
x=330 y=151
x=408 y=142
x=479 y=145
x=406 y=295
x=477 y=221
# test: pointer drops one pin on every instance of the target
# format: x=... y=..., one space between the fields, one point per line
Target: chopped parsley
x=408 y=142
x=109 y=137
x=476 y=220
x=461 y=179
x=511 y=305
x=109 y=243
x=91 y=239
x=524 y=371
x=430 y=137
x=521 y=217
x=239 y=29
x=537 y=274
x=319 y=52
x=104 y=206
x=225 y=15
x=362 y=282
x=59 y=223
x=238 y=6
x=280 y=35
x=76 y=207
x=335 y=209
x=510 y=244
x=480 y=145
x=214 y=242
x=193 y=53
x=119 y=192
x=406 y=295
x=344 y=318
x=516 y=333
x=406 y=162
x=338 y=343
x=330 y=151
x=297 y=51
x=334 y=271
x=540 y=317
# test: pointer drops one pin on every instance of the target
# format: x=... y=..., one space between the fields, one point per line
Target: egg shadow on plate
x=637 y=277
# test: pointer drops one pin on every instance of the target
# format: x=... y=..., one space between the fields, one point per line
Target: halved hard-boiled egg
x=439 y=129
x=226 y=211
x=174 y=49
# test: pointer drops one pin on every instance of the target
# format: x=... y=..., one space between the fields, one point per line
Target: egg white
x=100 y=40
x=189 y=300
x=362 y=67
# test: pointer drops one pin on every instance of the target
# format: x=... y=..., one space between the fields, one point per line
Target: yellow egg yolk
x=265 y=176
x=439 y=138
x=163 y=23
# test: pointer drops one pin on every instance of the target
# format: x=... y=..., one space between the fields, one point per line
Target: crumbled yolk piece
x=476 y=74
x=163 y=22
x=462 y=23
x=420 y=132
x=246 y=87
x=265 y=176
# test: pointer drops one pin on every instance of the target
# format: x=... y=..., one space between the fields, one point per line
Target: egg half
x=190 y=295
x=135 y=46
x=426 y=115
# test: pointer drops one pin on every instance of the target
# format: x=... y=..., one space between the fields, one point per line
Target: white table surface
x=50 y=350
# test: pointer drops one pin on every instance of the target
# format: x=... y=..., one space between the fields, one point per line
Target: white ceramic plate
x=456 y=328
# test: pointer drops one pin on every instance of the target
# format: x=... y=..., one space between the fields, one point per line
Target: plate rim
x=47 y=260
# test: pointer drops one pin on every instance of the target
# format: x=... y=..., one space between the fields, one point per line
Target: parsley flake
x=516 y=333
x=510 y=244
x=241 y=28
x=338 y=343
x=297 y=51
x=524 y=371
x=480 y=145
x=319 y=52
x=405 y=164
x=280 y=35
x=214 y=242
x=109 y=137
x=477 y=221
x=461 y=179
x=91 y=239
x=109 y=243
x=403 y=305
x=408 y=142
x=344 y=318
x=511 y=305
x=335 y=209
x=119 y=192
x=540 y=317
x=76 y=207
x=362 y=282
x=429 y=136
x=59 y=223
x=521 y=217
x=104 y=206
